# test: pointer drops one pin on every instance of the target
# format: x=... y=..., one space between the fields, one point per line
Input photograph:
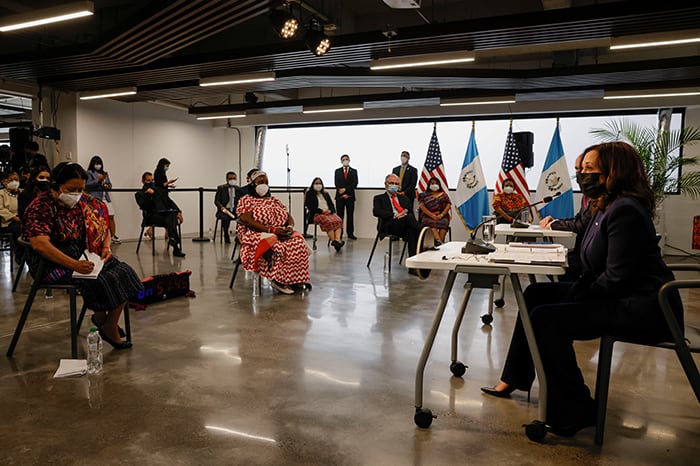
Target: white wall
x=131 y=138
x=680 y=210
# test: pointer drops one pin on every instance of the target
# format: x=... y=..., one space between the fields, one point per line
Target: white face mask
x=346 y=163
x=262 y=189
x=12 y=185
x=69 y=199
x=232 y=183
x=318 y=187
x=404 y=160
x=434 y=187
x=508 y=190
x=98 y=167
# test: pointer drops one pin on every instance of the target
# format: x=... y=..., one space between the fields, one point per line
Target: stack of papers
x=95 y=259
x=530 y=253
x=71 y=368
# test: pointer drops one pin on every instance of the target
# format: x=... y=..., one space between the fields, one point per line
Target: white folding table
x=449 y=257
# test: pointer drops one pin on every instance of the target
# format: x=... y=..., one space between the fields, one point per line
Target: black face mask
x=590 y=184
x=43 y=185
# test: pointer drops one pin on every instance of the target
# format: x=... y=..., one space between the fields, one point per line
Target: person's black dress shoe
x=227 y=240
x=352 y=237
x=117 y=346
x=178 y=253
x=121 y=331
x=572 y=429
x=498 y=393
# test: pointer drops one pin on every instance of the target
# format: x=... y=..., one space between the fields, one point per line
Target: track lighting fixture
x=284 y=24
x=318 y=42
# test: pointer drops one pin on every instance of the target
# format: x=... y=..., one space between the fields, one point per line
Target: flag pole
x=473 y=125
x=511 y=123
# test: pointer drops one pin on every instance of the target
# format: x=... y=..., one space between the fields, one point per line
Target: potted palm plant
x=660 y=152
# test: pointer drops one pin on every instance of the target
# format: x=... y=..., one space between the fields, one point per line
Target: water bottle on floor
x=387 y=259
x=94 y=357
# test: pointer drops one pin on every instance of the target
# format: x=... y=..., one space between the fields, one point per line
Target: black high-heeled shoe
x=502 y=393
x=498 y=393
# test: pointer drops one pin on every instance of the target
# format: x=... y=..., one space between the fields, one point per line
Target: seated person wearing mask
x=269 y=244
x=159 y=210
x=39 y=182
x=322 y=212
x=225 y=202
x=577 y=224
x=508 y=203
x=9 y=213
x=617 y=294
x=60 y=224
x=395 y=215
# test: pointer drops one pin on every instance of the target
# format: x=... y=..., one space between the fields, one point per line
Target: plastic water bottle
x=387 y=259
x=94 y=357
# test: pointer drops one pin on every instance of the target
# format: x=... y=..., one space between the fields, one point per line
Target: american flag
x=433 y=165
x=512 y=167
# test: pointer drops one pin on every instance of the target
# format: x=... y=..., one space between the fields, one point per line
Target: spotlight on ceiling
x=316 y=40
x=250 y=97
x=284 y=24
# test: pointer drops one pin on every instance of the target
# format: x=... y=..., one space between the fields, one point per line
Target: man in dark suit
x=408 y=177
x=159 y=210
x=395 y=214
x=345 y=184
x=224 y=199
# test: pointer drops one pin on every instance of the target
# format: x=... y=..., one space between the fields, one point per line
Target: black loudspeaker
x=524 y=141
x=18 y=138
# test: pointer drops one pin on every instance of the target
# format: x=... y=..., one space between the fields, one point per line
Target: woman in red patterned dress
x=269 y=244
x=507 y=203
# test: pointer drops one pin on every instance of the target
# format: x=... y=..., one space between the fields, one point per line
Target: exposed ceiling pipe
x=310 y=9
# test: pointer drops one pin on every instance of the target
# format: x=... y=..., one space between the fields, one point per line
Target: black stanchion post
x=201 y=217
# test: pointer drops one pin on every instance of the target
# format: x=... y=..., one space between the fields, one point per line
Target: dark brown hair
x=624 y=172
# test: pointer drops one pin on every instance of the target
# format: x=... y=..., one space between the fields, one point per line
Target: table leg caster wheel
x=487 y=319
x=499 y=302
x=536 y=431
x=457 y=368
x=423 y=417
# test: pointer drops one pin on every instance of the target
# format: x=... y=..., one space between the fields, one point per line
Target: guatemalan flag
x=433 y=165
x=555 y=179
x=472 y=196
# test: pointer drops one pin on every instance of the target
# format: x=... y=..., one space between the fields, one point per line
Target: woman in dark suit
x=321 y=211
x=616 y=294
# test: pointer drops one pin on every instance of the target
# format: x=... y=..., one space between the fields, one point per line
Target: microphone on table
x=475 y=245
x=517 y=223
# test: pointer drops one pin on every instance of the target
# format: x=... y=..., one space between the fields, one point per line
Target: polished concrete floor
x=322 y=378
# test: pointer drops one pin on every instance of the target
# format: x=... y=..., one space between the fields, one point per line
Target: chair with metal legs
x=392 y=238
x=72 y=292
x=680 y=344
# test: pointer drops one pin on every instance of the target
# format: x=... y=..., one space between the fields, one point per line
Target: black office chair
x=145 y=225
x=72 y=292
x=221 y=231
x=392 y=238
x=681 y=344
